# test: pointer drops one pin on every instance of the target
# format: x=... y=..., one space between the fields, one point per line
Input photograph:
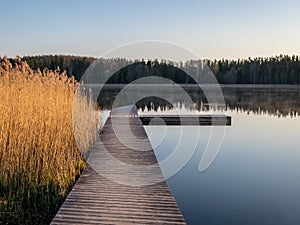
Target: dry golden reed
x=39 y=157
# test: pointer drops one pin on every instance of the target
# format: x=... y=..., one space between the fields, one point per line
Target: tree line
x=73 y=65
x=282 y=69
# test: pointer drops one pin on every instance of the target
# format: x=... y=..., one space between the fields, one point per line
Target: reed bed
x=39 y=157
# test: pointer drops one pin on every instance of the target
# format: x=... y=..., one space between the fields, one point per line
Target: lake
x=255 y=178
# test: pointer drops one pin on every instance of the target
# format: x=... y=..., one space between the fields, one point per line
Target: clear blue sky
x=212 y=29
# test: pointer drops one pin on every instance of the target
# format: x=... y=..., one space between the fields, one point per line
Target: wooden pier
x=97 y=200
x=186 y=120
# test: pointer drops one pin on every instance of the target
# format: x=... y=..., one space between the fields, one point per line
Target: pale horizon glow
x=212 y=29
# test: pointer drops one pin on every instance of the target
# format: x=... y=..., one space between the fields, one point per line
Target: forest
x=282 y=69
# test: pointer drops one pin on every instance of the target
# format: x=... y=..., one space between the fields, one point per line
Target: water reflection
x=272 y=101
x=279 y=101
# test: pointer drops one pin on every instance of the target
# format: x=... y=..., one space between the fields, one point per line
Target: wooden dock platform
x=186 y=120
x=97 y=200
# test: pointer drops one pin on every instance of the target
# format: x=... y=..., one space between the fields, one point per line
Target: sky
x=212 y=29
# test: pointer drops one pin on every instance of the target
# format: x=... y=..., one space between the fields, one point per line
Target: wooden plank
x=186 y=120
x=95 y=199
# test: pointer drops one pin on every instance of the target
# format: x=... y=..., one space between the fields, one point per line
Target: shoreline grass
x=39 y=157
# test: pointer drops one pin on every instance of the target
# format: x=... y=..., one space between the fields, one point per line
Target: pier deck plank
x=95 y=199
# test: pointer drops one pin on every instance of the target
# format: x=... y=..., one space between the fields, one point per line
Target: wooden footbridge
x=95 y=199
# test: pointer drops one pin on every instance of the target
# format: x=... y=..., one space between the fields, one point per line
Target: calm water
x=255 y=178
